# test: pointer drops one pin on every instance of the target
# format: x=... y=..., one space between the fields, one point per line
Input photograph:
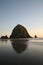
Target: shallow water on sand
x=21 y=51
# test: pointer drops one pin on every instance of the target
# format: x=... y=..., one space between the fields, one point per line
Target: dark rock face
x=4 y=37
x=20 y=32
x=35 y=36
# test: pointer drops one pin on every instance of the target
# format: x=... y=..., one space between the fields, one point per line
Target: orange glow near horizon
x=37 y=32
x=40 y=35
x=32 y=32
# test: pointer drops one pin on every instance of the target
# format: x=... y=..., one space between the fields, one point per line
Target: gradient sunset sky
x=28 y=13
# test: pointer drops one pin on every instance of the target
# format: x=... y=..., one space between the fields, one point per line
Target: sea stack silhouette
x=19 y=31
x=35 y=36
x=4 y=37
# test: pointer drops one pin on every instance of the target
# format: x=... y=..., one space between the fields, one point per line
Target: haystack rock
x=19 y=32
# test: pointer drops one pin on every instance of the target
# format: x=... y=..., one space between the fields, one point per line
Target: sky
x=28 y=13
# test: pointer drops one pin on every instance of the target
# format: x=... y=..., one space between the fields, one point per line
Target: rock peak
x=19 y=31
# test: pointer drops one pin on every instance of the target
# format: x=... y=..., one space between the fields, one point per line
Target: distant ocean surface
x=27 y=51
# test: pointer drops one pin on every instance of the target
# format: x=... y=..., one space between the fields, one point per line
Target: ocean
x=27 y=51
